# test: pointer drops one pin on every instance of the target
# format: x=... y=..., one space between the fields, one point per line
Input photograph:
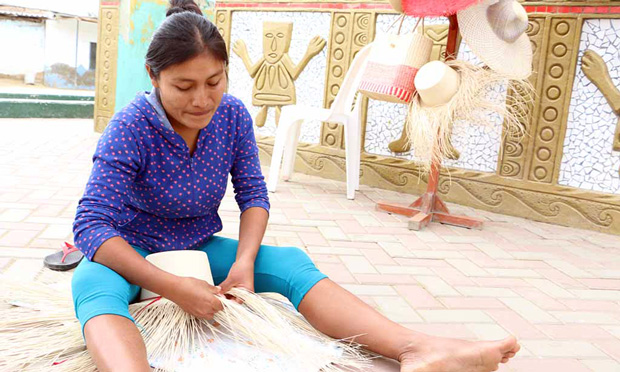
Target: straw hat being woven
x=181 y=263
x=495 y=32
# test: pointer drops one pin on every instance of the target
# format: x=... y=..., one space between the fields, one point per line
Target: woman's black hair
x=184 y=34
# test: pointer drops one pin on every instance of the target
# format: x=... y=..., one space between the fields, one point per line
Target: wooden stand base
x=429 y=207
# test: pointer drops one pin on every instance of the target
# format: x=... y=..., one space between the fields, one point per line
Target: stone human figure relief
x=275 y=73
x=596 y=71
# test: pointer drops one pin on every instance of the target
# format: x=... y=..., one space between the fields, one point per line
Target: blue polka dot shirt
x=146 y=188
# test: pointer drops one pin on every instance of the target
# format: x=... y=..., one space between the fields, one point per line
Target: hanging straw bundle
x=39 y=332
x=430 y=128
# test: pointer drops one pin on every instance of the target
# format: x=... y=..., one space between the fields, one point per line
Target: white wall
x=87 y=35
x=60 y=42
x=22 y=45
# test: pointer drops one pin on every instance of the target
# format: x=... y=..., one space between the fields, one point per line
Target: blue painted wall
x=138 y=21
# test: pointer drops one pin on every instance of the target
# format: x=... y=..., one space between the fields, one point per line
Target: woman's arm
x=251 y=196
x=119 y=256
x=251 y=232
x=250 y=188
x=116 y=164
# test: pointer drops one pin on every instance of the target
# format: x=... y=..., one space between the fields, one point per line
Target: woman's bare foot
x=438 y=354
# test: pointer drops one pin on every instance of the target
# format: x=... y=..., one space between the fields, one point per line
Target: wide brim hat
x=513 y=58
x=431 y=8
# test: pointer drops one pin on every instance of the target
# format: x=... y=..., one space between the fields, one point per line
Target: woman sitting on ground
x=159 y=175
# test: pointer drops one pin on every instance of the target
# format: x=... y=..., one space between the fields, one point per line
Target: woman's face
x=192 y=91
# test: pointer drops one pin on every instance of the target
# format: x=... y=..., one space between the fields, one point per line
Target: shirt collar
x=155 y=101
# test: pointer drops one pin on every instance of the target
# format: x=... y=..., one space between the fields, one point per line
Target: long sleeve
x=116 y=163
x=247 y=178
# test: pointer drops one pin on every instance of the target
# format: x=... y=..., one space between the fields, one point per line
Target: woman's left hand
x=241 y=275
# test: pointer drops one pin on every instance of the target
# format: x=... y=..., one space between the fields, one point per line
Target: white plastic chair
x=342 y=111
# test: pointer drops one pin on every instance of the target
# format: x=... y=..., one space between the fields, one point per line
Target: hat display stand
x=429 y=207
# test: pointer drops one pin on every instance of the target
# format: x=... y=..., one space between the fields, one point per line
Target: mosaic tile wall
x=478 y=146
x=588 y=161
x=248 y=26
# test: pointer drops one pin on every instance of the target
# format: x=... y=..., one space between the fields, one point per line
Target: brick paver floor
x=557 y=289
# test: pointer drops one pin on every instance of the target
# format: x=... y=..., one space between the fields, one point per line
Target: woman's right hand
x=196 y=297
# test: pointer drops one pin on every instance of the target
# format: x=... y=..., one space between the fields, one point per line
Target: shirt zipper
x=192 y=176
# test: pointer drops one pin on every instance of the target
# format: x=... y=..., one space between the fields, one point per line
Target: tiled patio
x=557 y=289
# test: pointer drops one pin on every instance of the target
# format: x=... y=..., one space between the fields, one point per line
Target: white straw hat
x=186 y=263
x=495 y=32
x=436 y=83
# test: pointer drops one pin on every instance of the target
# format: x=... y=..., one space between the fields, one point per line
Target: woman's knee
x=90 y=276
x=98 y=290
x=284 y=261
x=286 y=270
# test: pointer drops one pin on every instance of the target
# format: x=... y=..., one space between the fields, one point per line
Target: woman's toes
x=509 y=344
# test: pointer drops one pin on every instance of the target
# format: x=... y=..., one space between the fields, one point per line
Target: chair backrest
x=343 y=103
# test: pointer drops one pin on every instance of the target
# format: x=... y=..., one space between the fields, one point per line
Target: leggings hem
x=109 y=311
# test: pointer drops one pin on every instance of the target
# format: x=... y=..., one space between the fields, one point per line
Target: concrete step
x=43 y=96
x=59 y=107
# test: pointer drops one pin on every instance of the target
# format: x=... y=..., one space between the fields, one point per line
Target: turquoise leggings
x=98 y=290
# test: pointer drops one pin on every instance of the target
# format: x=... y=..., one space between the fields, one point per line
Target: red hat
x=432 y=8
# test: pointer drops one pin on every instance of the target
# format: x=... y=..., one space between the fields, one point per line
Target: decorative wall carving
x=350 y=32
x=275 y=73
x=527 y=203
x=107 y=52
x=222 y=21
x=533 y=200
x=439 y=35
x=596 y=71
x=556 y=81
x=514 y=148
x=588 y=159
x=526 y=180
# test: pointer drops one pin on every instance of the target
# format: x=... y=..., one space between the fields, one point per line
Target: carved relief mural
x=248 y=26
x=566 y=171
x=552 y=208
x=590 y=161
x=275 y=73
x=107 y=49
x=351 y=31
x=595 y=69
x=514 y=154
x=555 y=83
x=222 y=21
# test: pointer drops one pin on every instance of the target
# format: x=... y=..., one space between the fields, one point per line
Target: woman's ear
x=153 y=78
